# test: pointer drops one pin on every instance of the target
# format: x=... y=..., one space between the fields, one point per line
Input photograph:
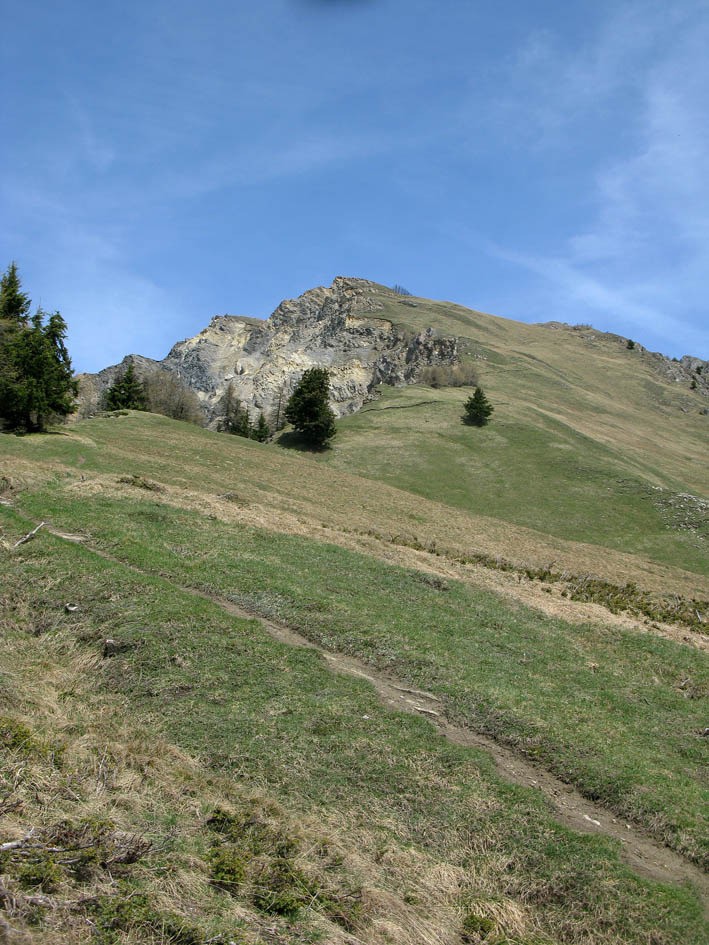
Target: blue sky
x=163 y=162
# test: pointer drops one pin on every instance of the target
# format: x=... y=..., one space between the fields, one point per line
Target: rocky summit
x=342 y=328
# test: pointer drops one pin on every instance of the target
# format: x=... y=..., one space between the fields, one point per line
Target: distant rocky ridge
x=338 y=328
x=343 y=328
x=686 y=369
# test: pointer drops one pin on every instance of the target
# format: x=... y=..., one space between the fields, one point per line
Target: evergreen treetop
x=126 y=392
x=14 y=303
x=308 y=408
x=36 y=379
x=478 y=408
x=261 y=431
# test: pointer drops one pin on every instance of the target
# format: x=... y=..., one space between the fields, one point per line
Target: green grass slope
x=341 y=820
x=589 y=441
x=527 y=468
x=206 y=783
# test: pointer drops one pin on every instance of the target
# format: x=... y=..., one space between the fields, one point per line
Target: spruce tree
x=235 y=416
x=230 y=407
x=478 y=408
x=261 y=431
x=36 y=382
x=14 y=311
x=14 y=304
x=126 y=392
x=242 y=425
x=308 y=408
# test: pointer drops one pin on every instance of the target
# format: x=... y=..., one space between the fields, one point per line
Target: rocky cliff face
x=338 y=328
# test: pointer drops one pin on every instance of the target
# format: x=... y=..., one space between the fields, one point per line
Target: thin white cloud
x=86 y=271
x=267 y=162
x=642 y=259
x=88 y=146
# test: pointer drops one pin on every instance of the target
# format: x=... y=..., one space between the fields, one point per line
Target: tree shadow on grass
x=34 y=433
x=293 y=440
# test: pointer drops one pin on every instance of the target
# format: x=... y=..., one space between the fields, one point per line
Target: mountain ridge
x=365 y=334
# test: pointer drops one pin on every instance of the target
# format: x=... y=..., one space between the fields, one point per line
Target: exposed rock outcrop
x=339 y=328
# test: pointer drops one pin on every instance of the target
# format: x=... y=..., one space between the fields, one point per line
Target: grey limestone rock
x=340 y=328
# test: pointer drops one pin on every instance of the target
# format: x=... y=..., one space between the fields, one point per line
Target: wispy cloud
x=266 y=162
x=86 y=270
x=641 y=260
x=88 y=145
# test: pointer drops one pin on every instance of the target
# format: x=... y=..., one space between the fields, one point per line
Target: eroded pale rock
x=339 y=328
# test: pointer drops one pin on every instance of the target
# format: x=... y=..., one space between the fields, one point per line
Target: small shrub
x=448 y=375
x=345 y=911
x=227 y=868
x=41 y=873
x=630 y=344
x=167 y=395
x=223 y=822
x=253 y=856
x=14 y=736
x=282 y=889
x=431 y=580
x=115 y=917
x=476 y=928
x=252 y=831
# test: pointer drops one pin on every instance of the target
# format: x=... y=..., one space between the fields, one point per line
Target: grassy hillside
x=589 y=440
x=199 y=779
x=527 y=468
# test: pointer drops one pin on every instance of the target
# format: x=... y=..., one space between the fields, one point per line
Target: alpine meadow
x=417 y=657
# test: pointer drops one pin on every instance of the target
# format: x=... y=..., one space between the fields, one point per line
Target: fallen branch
x=417 y=692
x=29 y=536
x=17 y=844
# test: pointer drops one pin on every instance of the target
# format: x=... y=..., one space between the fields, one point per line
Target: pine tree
x=14 y=304
x=278 y=423
x=242 y=425
x=126 y=392
x=308 y=408
x=14 y=311
x=235 y=416
x=230 y=406
x=478 y=408
x=36 y=382
x=261 y=431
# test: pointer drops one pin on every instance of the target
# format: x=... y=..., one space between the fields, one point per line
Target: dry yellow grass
x=284 y=490
x=96 y=763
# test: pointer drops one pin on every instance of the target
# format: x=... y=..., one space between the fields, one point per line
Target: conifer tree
x=235 y=416
x=478 y=408
x=126 y=392
x=14 y=304
x=242 y=425
x=36 y=381
x=308 y=408
x=261 y=431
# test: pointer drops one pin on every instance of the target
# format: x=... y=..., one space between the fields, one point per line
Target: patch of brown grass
x=85 y=760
